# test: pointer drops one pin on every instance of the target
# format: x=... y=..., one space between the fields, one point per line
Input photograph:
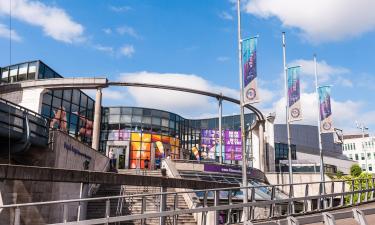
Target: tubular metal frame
x=204 y=208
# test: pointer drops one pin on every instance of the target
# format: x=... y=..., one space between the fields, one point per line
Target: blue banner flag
x=294 y=93
x=325 y=110
x=249 y=70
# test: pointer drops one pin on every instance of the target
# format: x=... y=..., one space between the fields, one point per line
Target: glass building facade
x=150 y=134
x=71 y=111
x=27 y=71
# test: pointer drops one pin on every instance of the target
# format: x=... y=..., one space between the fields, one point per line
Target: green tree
x=355 y=170
x=360 y=183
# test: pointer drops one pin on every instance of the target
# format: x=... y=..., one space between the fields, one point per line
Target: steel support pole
x=242 y=117
x=163 y=205
x=216 y=203
x=322 y=178
x=220 y=130
x=287 y=114
x=262 y=160
x=97 y=119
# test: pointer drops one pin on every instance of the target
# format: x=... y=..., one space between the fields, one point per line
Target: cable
x=10 y=63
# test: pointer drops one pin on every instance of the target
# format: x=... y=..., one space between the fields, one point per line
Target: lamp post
x=363 y=128
x=242 y=117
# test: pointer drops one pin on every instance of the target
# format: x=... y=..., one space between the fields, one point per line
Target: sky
x=193 y=43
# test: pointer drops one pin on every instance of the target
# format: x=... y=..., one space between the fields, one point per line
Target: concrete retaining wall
x=63 y=152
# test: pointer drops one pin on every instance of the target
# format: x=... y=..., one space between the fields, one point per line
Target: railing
x=38 y=123
x=223 y=203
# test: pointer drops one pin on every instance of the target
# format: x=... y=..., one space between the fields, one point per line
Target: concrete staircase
x=153 y=202
x=96 y=209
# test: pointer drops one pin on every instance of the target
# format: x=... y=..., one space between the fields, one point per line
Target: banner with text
x=294 y=94
x=231 y=144
x=326 y=124
x=249 y=70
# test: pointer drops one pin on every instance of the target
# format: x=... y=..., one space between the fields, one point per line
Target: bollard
x=328 y=219
x=65 y=213
x=163 y=205
x=107 y=210
x=292 y=221
x=216 y=203
x=359 y=216
x=17 y=216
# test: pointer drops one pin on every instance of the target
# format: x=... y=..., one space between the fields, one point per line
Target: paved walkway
x=350 y=221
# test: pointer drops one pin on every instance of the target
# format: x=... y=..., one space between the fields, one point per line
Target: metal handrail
x=193 y=191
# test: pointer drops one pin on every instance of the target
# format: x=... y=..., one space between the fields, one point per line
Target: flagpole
x=322 y=178
x=287 y=114
x=243 y=142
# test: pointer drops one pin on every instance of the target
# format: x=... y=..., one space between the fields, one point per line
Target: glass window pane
x=126 y=119
x=156 y=113
x=75 y=98
x=115 y=110
x=126 y=110
x=114 y=119
x=13 y=74
x=48 y=73
x=146 y=120
x=137 y=111
x=165 y=115
x=83 y=100
x=136 y=119
x=47 y=99
x=57 y=93
x=147 y=112
x=5 y=75
x=22 y=72
x=56 y=102
x=66 y=106
x=164 y=122
x=67 y=94
x=155 y=121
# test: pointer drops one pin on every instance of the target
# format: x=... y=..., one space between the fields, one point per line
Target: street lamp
x=363 y=128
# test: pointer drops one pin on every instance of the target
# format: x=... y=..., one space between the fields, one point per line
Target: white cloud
x=344 y=112
x=127 y=50
x=326 y=73
x=119 y=9
x=225 y=16
x=5 y=32
x=319 y=20
x=174 y=101
x=107 y=30
x=54 y=21
x=127 y=30
x=106 y=49
x=222 y=58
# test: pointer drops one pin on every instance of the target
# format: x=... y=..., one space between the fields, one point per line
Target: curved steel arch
x=257 y=112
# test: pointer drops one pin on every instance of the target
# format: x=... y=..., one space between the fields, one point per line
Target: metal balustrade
x=260 y=210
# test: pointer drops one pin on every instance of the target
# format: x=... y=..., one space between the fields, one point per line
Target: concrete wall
x=63 y=152
x=341 y=164
x=299 y=190
x=14 y=96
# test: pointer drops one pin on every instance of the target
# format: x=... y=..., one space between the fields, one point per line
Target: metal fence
x=224 y=205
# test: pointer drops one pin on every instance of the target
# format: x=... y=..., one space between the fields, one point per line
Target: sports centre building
x=138 y=134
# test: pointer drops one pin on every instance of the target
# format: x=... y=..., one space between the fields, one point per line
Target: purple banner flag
x=325 y=111
x=231 y=144
x=294 y=94
x=249 y=70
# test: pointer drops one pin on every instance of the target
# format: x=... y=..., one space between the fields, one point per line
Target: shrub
x=355 y=170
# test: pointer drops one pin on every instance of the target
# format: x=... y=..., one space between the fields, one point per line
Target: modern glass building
x=71 y=111
x=31 y=70
x=139 y=134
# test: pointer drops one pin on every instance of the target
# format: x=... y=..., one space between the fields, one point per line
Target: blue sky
x=194 y=44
